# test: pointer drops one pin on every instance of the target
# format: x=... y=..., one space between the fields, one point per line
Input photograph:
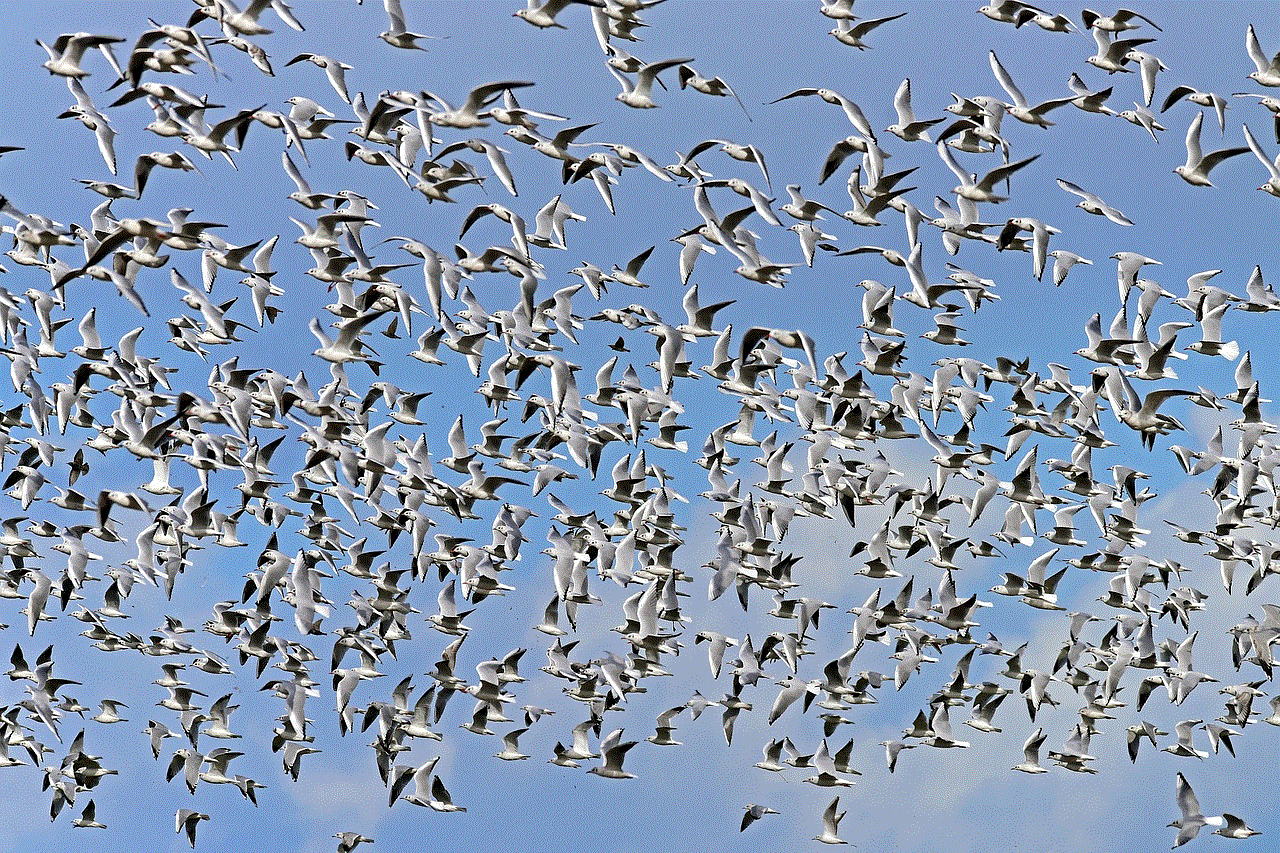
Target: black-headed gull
x=1196 y=170
x=1142 y=117
x=831 y=824
x=1093 y=204
x=1010 y=12
x=68 y=49
x=637 y=93
x=907 y=127
x=1112 y=55
x=981 y=190
x=851 y=110
x=398 y=35
x=1150 y=65
x=1119 y=21
x=1087 y=99
x=753 y=813
x=1203 y=99
x=852 y=34
x=544 y=15
x=1021 y=108
x=1268 y=73
x=1272 y=185
x=709 y=86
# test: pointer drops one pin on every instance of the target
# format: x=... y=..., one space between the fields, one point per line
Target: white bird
x=851 y=110
x=1021 y=108
x=907 y=127
x=831 y=824
x=1031 y=753
x=1203 y=99
x=980 y=190
x=715 y=86
x=1117 y=22
x=468 y=115
x=853 y=33
x=398 y=35
x=1196 y=170
x=638 y=93
x=345 y=347
x=1272 y=185
x=544 y=15
x=1192 y=818
x=67 y=51
x=1268 y=73
x=1092 y=203
x=613 y=751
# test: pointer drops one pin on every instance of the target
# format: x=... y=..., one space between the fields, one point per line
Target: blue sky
x=965 y=799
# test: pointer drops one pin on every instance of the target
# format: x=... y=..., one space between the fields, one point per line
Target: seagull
x=831 y=824
x=1031 y=753
x=1268 y=73
x=907 y=127
x=68 y=49
x=87 y=114
x=335 y=70
x=753 y=813
x=637 y=94
x=186 y=820
x=1093 y=204
x=744 y=153
x=1271 y=102
x=1112 y=56
x=1203 y=99
x=398 y=35
x=1150 y=65
x=1192 y=819
x=852 y=33
x=981 y=190
x=1119 y=21
x=1142 y=117
x=468 y=114
x=613 y=751
x=1233 y=827
x=1196 y=170
x=851 y=110
x=1272 y=185
x=709 y=86
x=544 y=15
x=1021 y=109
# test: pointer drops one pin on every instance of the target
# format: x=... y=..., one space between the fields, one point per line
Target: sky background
x=965 y=799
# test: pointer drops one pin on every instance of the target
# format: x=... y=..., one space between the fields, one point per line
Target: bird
x=544 y=15
x=1272 y=184
x=907 y=127
x=398 y=34
x=851 y=110
x=831 y=824
x=67 y=52
x=1031 y=753
x=853 y=32
x=613 y=750
x=689 y=78
x=981 y=190
x=1021 y=108
x=1196 y=170
x=753 y=813
x=186 y=821
x=1203 y=99
x=638 y=93
x=1268 y=69
x=1091 y=203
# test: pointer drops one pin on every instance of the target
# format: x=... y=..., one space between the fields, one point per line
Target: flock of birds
x=399 y=504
